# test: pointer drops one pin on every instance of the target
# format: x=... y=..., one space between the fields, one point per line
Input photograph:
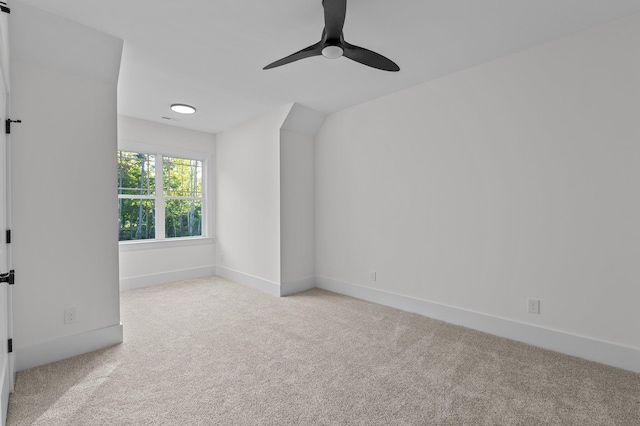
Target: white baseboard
x=270 y=287
x=583 y=347
x=66 y=347
x=165 y=277
x=291 y=287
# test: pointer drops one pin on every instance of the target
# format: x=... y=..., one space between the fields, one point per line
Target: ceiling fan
x=332 y=44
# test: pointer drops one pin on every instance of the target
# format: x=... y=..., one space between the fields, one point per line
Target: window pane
x=183 y=218
x=182 y=177
x=137 y=219
x=136 y=173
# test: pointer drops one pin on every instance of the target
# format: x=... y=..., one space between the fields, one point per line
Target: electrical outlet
x=533 y=306
x=70 y=315
x=372 y=276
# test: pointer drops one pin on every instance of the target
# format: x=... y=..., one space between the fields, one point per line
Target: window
x=160 y=196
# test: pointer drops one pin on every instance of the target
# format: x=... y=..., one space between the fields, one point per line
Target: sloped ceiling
x=210 y=53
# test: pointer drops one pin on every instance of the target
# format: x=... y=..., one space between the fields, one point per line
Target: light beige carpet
x=211 y=352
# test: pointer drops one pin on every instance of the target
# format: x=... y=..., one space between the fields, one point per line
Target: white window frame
x=207 y=193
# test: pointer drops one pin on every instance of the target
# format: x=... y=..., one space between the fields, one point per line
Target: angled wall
x=297 y=198
x=65 y=247
x=248 y=201
x=265 y=223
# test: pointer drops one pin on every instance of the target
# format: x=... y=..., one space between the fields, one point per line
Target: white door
x=4 y=262
x=6 y=376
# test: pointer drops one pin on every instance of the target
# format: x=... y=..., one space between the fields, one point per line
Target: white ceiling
x=210 y=53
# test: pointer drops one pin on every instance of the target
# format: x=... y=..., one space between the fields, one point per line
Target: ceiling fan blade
x=307 y=52
x=368 y=57
x=334 y=15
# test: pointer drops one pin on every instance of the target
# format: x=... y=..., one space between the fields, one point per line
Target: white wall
x=516 y=179
x=297 y=198
x=164 y=136
x=297 y=221
x=248 y=199
x=149 y=263
x=265 y=202
x=63 y=172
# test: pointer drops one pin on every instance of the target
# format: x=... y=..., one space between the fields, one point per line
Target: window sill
x=166 y=243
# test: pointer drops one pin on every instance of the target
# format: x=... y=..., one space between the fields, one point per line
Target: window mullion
x=160 y=213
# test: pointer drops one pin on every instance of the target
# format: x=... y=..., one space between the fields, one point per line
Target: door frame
x=6 y=323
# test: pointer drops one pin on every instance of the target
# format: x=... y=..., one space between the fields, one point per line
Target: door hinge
x=8 y=239
x=7 y=126
x=10 y=345
x=4 y=8
x=9 y=277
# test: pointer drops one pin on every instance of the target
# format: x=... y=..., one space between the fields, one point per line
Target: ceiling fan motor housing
x=332 y=51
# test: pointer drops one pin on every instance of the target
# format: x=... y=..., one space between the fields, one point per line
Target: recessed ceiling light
x=183 y=109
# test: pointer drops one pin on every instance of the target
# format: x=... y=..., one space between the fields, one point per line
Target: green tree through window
x=183 y=197
x=159 y=202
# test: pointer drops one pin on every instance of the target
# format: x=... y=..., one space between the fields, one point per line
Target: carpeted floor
x=212 y=352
